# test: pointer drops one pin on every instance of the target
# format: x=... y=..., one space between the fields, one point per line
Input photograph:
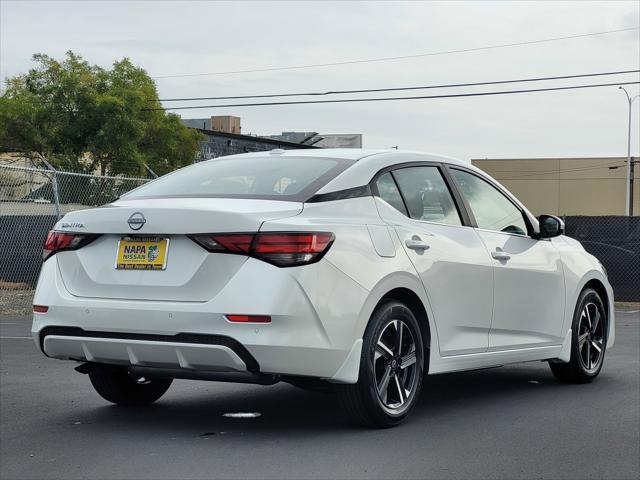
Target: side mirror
x=550 y=226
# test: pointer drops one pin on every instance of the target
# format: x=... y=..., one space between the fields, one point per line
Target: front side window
x=426 y=194
x=268 y=177
x=492 y=210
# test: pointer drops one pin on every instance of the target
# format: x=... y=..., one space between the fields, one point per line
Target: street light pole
x=630 y=163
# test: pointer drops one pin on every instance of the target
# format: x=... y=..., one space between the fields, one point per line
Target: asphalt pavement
x=508 y=422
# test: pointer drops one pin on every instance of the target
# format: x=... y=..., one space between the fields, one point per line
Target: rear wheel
x=391 y=369
x=118 y=385
x=588 y=341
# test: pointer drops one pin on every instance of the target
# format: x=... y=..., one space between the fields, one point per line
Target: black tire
x=587 y=336
x=117 y=385
x=361 y=401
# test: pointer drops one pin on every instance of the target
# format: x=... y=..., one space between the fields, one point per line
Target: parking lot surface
x=508 y=422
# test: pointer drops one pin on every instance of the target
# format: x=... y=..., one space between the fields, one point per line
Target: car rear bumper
x=192 y=338
x=194 y=352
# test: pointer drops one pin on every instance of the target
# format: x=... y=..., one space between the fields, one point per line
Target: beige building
x=566 y=186
x=226 y=124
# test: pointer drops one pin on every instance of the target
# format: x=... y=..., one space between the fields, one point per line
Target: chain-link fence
x=32 y=200
x=615 y=241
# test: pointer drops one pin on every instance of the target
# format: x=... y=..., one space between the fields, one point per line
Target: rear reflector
x=40 y=309
x=249 y=318
x=283 y=249
x=61 y=241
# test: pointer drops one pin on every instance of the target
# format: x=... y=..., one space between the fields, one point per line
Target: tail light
x=282 y=249
x=61 y=241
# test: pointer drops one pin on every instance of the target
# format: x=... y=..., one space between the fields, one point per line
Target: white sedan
x=355 y=270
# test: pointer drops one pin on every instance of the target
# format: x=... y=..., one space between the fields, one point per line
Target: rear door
x=529 y=291
x=450 y=258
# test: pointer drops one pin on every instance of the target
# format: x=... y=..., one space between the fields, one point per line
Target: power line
x=402 y=57
x=421 y=97
x=395 y=89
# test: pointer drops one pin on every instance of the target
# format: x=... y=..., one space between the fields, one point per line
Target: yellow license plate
x=142 y=253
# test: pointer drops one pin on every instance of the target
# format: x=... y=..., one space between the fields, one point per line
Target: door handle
x=500 y=255
x=416 y=243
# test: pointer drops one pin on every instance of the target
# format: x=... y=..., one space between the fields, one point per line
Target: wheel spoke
x=596 y=322
x=384 y=384
x=588 y=349
x=383 y=351
x=408 y=360
x=401 y=391
x=582 y=339
x=399 y=329
x=586 y=309
x=595 y=345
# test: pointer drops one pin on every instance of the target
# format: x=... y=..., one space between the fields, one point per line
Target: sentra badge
x=72 y=225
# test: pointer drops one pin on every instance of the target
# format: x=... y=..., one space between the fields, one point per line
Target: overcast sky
x=169 y=38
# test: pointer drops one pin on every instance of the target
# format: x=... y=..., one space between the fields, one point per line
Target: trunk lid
x=191 y=273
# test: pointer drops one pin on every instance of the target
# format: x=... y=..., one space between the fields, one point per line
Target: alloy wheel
x=591 y=335
x=394 y=362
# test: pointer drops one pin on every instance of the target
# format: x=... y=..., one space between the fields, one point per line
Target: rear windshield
x=264 y=177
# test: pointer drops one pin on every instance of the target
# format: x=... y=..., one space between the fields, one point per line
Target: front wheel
x=391 y=369
x=588 y=341
x=118 y=385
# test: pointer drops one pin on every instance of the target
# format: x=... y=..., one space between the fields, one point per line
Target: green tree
x=83 y=117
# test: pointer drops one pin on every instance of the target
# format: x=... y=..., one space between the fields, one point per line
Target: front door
x=529 y=294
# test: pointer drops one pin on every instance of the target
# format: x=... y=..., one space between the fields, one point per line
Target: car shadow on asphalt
x=198 y=410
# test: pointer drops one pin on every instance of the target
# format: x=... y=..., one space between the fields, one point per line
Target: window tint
x=493 y=211
x=388 y=191
x=272 y=177
x=426 y=195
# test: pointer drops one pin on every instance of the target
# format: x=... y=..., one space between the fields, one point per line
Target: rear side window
x=388 y=191
x=426 y=194
x=264 y=177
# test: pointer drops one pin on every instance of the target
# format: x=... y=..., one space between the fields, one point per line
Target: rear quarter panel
x=376 y=271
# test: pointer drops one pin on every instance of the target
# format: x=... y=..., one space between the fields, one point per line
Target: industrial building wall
x=566 y=186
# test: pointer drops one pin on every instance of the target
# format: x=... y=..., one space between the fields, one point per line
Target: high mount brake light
x=282 y=249
x=61 y=241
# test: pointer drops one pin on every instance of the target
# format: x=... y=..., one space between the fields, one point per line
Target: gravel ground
x=16 y=302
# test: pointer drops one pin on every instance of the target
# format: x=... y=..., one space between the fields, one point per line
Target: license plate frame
x=157 y=264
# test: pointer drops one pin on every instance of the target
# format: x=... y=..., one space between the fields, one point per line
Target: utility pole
x=630 y=162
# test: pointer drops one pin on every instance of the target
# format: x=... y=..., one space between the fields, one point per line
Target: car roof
x=370 y=162
x=354 y=154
